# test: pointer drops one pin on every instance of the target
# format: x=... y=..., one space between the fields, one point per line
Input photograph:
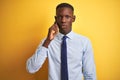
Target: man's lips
x=63 y=26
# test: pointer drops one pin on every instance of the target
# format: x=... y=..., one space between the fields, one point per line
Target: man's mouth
x=63 y=26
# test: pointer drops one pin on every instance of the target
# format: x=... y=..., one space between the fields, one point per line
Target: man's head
x=64 y=17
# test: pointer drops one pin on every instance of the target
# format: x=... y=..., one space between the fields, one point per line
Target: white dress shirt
x=79 y=54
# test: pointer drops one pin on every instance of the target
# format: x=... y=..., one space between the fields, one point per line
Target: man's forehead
x=64 y=10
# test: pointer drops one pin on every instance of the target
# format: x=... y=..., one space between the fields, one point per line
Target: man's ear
x=73 y=19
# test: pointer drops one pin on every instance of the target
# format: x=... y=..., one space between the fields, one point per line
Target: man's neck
x=65 y=33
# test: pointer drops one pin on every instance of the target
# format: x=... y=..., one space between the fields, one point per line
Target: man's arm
x=35 y=62
x=89 y=70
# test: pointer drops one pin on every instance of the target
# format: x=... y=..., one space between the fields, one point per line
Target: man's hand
x=53 y=30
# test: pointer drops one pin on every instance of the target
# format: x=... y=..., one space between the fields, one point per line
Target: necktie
x=64 y=70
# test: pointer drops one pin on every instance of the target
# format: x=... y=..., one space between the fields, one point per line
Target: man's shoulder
x=80 y=36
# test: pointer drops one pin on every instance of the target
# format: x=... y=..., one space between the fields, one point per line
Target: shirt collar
x=70 y=35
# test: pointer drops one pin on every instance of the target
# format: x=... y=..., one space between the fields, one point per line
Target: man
x=68 y=59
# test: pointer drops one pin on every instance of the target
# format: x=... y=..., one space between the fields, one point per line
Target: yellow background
x=24 y=23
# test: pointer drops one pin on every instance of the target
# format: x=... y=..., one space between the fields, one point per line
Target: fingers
x=54 y=28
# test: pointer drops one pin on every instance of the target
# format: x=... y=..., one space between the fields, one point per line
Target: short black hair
x=61 y=5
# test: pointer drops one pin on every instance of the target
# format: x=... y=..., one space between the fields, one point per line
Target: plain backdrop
x=24 y=23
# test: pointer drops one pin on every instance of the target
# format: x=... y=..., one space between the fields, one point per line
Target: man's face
x=64 y=18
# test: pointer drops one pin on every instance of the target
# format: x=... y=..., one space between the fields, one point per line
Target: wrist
x=46 y=43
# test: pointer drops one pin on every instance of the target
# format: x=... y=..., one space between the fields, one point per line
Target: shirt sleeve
x=89 y=70
x=35 y=62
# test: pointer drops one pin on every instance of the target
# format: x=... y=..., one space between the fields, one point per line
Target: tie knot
x=64 y=37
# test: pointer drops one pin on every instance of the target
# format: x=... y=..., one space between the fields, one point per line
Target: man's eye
x=59 y=17
x=67 y=16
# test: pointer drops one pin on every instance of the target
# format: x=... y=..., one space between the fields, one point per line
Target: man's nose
x=63 y=19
